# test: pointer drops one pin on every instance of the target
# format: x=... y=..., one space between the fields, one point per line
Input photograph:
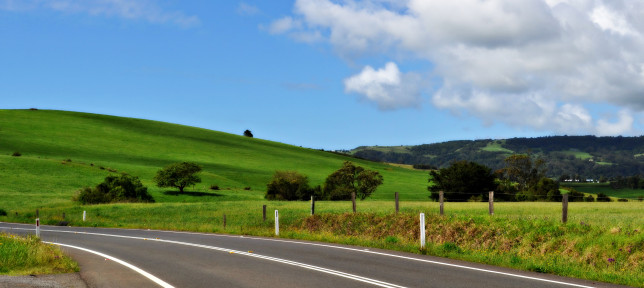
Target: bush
x=424 y=167
x=601 y=197
x=589 y=198
x=122 y=188
x=247 y=188
x=3 y=212
x=622 y=200
x=16 y=154
x=288 y=185
x=214 y=187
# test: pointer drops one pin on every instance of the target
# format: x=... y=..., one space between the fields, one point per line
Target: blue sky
x=334 y=74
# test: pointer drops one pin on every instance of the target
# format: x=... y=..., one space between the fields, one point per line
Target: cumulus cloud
x=387 y=87
x=547 y=59
x=623 y=125
x=128 y=9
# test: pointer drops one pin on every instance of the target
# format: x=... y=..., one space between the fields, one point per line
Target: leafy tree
x=351 y=179
x=121 y=188
x=545 y=189
x=461 y=181
x=178 y=175
x=288 y=185
x=247 y=133
x=522 y=169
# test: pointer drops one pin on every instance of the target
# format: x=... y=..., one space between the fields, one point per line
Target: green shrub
x=214 y=187
x=122 y=188
x=601 y=197
x=589 y=198
x=16 y=154
x=3 y=212
x=288 y=185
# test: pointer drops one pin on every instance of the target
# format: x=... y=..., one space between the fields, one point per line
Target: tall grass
x=27 y=255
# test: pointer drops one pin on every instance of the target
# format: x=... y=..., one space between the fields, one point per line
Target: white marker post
x=277 y=223
x=84 y=214
x=422 y=230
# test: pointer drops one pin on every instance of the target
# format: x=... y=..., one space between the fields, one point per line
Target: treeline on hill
x=522 y=179
x=587 y=157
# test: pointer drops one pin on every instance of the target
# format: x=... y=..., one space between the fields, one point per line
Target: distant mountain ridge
x=574 y=156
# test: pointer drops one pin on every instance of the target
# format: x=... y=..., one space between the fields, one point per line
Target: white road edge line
x=361 y=251
x=365 y=250
x=274 y=259
x=358 y=250
x=128 y=265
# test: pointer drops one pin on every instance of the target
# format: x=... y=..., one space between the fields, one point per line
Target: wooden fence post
x=264 y=212
x=397 y=203
x=353 y=200
x=312 y=205
x=491 y=202
x=440 y=199
x=224 y=221
x=564 y=212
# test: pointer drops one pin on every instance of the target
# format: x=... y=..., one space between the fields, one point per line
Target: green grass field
x=496 y=147
x=96 y=144
x=62 y=152
x=596 y=188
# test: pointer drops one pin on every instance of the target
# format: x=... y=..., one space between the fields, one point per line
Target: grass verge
x=28 y=255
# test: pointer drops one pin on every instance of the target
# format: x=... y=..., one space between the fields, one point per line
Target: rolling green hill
x=574 y=156
x=64 y=151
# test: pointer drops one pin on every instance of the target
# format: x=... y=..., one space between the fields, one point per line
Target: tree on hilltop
x=247 y=133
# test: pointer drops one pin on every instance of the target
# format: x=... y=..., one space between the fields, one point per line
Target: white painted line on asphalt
x=128 y=265
x=422 y=260
x=369 y=252
x=274 y=259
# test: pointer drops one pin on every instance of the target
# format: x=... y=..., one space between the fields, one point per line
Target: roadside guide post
x=37 y=224
x=277 y=223
x=422 y=230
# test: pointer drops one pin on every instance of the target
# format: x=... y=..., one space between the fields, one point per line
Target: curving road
x=152 y=258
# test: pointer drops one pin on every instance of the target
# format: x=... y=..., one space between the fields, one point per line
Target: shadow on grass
x=189 y=193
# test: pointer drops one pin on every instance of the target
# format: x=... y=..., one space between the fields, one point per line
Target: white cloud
x=387 y=87
x=611 y=21
x=284 y=25
x=128 y=9
x=548 y=59
x=247 y=9
x=623 y=125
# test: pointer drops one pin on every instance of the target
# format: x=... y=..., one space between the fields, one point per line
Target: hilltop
x=583 y=156
x=62 y=152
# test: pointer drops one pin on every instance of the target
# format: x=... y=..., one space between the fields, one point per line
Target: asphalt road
x=177 y=259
